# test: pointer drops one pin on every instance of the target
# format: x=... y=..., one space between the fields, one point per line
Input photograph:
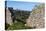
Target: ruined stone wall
x=8 y=17
x=36 y=20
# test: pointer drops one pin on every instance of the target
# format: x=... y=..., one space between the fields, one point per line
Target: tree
x=38 y=8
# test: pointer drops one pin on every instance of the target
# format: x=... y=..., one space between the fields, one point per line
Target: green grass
x=17 y=26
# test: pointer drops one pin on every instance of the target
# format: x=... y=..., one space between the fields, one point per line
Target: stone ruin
x=36 y=20
x=8 y=17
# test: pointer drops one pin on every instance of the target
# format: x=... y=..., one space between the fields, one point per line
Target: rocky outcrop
x=36 y=18
x=8 y=17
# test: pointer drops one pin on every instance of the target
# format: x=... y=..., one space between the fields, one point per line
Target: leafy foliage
x=37 y=9
x=21 y=17
x=19 y=25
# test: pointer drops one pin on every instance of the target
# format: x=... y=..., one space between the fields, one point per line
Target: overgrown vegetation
x=38 y=8
x=21 y=16
x=16 y=26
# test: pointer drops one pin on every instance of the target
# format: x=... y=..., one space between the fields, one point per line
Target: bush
x=19 y=25
x=6 y=26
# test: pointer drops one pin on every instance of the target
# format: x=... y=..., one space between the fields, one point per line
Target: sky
x=21 y=5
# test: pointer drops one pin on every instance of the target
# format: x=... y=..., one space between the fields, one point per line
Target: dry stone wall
x=8 y=17
x=36 y=20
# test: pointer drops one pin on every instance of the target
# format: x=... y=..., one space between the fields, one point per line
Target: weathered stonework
x=8 y=17
x=36 y=20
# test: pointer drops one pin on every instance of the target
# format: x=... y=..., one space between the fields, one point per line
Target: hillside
x=27 y=19
x=39 y=9
x=18 y=18
x=21 y=15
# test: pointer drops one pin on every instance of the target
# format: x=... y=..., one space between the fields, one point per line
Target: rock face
x=8 y=17
x=36 y=19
